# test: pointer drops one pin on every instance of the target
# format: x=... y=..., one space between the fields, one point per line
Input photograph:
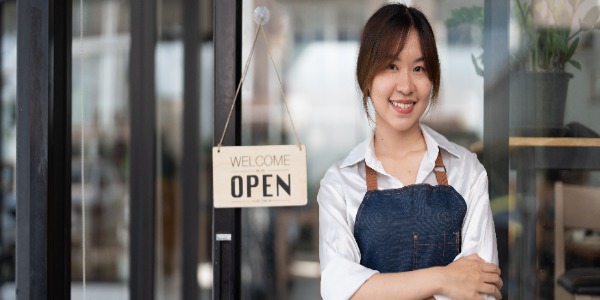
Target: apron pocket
x=435 y=249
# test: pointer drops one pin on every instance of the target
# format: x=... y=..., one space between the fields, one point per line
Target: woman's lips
x=403 y=107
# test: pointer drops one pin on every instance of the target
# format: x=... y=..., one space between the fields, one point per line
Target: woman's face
x=400 y=93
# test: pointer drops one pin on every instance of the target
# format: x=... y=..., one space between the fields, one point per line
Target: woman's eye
x=392 y=67
x=419 y=69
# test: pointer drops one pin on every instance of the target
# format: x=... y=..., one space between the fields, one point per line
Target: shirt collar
x=434 y=140
x=365 y=150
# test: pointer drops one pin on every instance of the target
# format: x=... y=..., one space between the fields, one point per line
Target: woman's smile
x=403 y=106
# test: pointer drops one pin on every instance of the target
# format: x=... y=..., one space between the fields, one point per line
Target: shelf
x=552 y=142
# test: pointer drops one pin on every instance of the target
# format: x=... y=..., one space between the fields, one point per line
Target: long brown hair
x=385 y=34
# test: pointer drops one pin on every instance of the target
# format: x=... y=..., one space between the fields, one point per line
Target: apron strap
x=439 y=169
x=371 y=179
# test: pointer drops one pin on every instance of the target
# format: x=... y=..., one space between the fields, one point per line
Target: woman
x=406 y=214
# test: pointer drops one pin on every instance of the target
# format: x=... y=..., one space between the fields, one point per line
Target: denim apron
x=413 y=227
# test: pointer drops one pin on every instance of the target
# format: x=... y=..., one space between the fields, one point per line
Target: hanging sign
x=256 y=176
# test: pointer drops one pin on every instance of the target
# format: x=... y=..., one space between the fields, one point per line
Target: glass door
x=314 y=47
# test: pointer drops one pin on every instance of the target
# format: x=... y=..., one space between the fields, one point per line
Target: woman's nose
x=404 y=83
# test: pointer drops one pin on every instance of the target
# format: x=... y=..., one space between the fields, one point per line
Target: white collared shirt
x=343 y=188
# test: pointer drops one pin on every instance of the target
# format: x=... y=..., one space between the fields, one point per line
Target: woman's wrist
x=439 y=280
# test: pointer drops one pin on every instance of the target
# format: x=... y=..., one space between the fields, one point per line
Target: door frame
x=227 y=221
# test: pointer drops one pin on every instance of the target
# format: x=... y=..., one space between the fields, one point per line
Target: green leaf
x=572 y=48
x=575 y=64
x=559 y=41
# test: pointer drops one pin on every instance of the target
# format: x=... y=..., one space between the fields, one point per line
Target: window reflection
x=100 y=114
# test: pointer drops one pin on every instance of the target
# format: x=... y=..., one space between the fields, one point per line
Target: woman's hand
x=469 y=276
x=466 y=278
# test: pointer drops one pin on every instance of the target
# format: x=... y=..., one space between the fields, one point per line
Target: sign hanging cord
x=261 y=20
x=287 y=108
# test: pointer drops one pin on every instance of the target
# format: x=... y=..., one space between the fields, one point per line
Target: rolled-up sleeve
x=341 y=271
x=479 y=235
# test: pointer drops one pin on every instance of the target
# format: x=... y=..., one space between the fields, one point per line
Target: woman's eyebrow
x=396 y=58
x=420 y=59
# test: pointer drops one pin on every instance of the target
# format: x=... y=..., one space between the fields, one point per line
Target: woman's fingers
x=490 y=277
x=493 y=279
x=490 y=268
x=474 y=276
x=492 y=274
x=491 y=289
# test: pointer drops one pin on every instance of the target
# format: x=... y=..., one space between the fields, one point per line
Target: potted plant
x=549 y=34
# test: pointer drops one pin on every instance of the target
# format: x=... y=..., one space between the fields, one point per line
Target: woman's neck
x=400 y=153
x=394 y=143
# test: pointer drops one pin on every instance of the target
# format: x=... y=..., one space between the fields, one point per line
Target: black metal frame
x=190 y=179
x=59 y=180
x=143 y=150
x=227 y=222
x=43 y=149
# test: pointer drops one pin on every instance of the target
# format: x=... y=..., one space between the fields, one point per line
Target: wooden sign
x=258 y=176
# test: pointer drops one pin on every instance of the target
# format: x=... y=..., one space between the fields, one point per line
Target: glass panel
x=314 y=46
x=169 y=74
x=205 y=271
x=8 y=149
x=554 y=129
x=103 y=86
x=170 y=106
x=169 y=99
x=100 y=115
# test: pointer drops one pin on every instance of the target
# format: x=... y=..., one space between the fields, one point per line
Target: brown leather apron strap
x=439 y=169
x=371 y=179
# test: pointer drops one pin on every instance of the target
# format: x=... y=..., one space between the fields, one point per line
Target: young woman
x=406 y=214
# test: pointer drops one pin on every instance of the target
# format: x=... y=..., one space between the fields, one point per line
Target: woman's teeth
x=402 y=105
